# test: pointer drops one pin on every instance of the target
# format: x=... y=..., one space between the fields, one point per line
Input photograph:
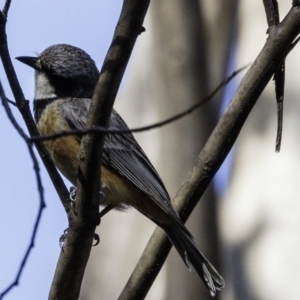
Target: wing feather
x=122 y=153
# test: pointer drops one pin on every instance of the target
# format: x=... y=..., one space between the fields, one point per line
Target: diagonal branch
x=216 y=149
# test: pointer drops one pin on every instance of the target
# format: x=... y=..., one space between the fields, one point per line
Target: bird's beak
x=29 y=61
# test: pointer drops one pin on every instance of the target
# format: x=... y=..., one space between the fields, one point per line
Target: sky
x=32 y=26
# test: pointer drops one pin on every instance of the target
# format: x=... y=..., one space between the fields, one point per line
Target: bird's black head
x=63 y=71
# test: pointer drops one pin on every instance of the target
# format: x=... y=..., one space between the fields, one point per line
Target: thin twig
x=39 y=185
x=272 y=14
x=11 y=102
x=10 y=116
x=24 y=109
x=6 y=8
x=279 y=78
x=98 y=129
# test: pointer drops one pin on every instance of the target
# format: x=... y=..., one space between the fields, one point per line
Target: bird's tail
x=191 y=255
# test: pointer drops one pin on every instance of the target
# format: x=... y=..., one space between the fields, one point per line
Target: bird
x=65 y=79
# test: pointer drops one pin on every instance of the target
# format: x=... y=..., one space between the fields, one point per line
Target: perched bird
x=65 y=78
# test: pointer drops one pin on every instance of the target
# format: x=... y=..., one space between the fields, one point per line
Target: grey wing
x=122 y=153
x=75 y=112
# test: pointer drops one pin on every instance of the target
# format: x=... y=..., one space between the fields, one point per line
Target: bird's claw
x=97 y=239
x=63 y=238
x=72 y=196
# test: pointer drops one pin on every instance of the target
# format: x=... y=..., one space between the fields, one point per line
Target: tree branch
x=72 y=262
x=6 y=8
x=23 y=106
x=39 y=186
x=272 y=12
x=216 y=149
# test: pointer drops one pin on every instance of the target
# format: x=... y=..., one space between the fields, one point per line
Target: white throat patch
x=43 y=88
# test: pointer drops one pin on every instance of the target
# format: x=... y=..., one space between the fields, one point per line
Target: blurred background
x=248 y=221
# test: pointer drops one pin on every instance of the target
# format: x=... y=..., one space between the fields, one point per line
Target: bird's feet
x=63 y=238
x=72 y=196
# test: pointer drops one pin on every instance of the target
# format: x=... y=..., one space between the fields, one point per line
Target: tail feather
x=191 y=255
